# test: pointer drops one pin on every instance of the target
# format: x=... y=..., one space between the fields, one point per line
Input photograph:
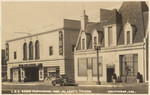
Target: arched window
x=30 y=51
x=37 y=50
x=24 y=51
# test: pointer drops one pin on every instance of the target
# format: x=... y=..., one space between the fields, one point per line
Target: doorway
x=32 y=74
x=110 y=72
x=89 y=73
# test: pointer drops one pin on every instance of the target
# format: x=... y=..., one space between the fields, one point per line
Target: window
x=22 y=74
x=24 y=51
x=51 y=71
x=95 y=40
x=95 y=66
x=41 y=75
x=15 y=55
x=82 y=67
x=129 y=64
x=89 y=63
x=30 y=51
x=83 y=44
x=110 y=36
x=37 y=50
x=51 y=50
x=73 y=46
x=128 y=37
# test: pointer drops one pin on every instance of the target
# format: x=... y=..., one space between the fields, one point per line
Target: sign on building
x=60 y=43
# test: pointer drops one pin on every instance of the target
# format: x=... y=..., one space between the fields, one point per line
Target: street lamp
x=97 y=47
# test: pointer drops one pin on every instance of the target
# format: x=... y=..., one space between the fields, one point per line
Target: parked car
x=63 y=80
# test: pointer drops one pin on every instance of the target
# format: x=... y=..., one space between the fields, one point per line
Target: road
x=47 y=89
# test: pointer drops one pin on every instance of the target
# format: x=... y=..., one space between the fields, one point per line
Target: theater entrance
x=32 y=74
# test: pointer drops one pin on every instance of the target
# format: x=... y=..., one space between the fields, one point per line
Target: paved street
x=81 y=89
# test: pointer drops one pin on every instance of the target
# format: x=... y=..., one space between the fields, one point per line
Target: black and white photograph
x=74 y=47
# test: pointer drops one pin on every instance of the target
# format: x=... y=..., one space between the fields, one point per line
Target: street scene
x=75 y=47
x=39 y=88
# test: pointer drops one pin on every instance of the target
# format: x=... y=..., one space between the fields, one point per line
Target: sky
x=31 y=16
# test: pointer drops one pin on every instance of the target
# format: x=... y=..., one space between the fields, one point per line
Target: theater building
x=43 y=54
x=122 y=35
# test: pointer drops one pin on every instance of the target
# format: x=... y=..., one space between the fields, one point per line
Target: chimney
x=84 y=20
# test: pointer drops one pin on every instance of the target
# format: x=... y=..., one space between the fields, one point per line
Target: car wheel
x=63 y=83
x=53 y=83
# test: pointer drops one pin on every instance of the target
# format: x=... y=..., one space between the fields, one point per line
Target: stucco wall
x=109 y=57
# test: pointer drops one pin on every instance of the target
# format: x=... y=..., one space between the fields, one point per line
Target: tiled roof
x=135 y=13
x=97 y=26
x=132 y=12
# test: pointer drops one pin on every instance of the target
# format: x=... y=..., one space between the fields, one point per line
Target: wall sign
x=60 y=43
x=7 y=52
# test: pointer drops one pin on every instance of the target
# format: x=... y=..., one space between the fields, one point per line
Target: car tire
x=63 y=83
x=53 y=83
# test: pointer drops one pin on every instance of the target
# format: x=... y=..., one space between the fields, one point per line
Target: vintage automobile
x=62 y=80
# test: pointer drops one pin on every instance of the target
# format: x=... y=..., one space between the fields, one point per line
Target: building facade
x=42 y=55
x=121 y=35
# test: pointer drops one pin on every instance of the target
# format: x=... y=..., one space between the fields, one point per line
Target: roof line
x=34 y=35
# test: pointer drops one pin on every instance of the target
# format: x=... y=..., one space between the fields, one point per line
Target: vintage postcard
x=74 y=47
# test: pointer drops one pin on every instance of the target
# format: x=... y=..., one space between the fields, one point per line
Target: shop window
x=22 y=74
x=30 y=51
x=110 y=36
x=41 y=74
x=51 y=50
x=51 y=71
x=95 y=66
x=37 y=50
x=89 y=63
x=129 y=64
x=24 y=51
x=15 y=55
x=82 y=67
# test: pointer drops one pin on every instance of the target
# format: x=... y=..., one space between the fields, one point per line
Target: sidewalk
x=102 y=85
x=117 y=85
x=27 y=83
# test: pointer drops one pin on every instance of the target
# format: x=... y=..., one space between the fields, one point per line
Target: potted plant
x=138 y=77
x=114 y=78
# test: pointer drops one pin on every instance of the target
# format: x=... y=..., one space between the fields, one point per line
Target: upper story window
x=95 y=40
x=37 y=50
x=94 y=37
x=30 y=51
x=24 y=51
x=51 y=50
x=83 y=43
x=128 y=37
x=15 y=55
x=110 y=36
x=129 y=32
x=73 y=46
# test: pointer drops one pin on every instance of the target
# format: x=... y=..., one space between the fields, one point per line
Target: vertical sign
x=7 y=52
x=60 y=43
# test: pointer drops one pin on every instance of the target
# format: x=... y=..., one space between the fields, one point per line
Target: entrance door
x=15 y=75
x=11 y=75
x=110 y=72
x=32 y=74
x=89 y=73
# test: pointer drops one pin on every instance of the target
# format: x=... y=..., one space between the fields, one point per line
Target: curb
x=102 y=85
